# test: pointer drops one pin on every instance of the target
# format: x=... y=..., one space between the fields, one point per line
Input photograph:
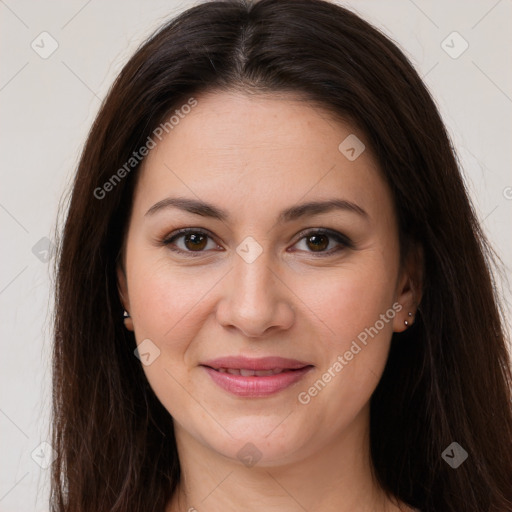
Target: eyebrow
x=205 y=209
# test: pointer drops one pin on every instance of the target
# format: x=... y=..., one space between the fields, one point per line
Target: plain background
x=48 y=105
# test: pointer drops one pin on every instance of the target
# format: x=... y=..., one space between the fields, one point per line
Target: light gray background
x=47 y=106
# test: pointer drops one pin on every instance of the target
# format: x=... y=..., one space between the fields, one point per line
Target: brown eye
x=317 y=242
x=195 y=241
x=323 y=242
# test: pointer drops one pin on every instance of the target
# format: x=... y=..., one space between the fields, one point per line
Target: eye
x=320 y=241
x=194 y=241
x=190 y=241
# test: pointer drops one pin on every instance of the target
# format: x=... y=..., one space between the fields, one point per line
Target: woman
x=273 y=292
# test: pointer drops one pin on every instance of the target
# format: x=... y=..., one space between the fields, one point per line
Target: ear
x=410 y=289
x=122 y=288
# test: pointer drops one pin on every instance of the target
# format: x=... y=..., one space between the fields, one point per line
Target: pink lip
x=256 y=386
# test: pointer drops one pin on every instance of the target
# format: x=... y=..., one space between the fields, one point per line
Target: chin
x=260 y=441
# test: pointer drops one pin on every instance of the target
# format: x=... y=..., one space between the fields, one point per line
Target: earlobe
x=122 y=289
x=410 y=291
x=128 y=322
x=405 y=318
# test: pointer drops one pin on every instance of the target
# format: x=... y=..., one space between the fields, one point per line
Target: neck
x=334 y=478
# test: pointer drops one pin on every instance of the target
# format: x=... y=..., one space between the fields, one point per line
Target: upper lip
x=248 y=363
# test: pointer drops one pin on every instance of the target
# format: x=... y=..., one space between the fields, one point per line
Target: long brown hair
x=448 y=378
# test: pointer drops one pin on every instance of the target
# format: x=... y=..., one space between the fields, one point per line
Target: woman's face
x=264 y=274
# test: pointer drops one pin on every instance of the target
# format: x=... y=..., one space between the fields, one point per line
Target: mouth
x=262 y=377
x=253 y=373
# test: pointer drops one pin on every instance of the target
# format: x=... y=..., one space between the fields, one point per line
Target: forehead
x=252 y=151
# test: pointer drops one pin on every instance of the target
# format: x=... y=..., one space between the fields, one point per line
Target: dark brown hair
x=448 y=378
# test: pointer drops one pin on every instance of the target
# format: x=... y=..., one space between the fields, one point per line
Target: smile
x=246 y=377
x=250 y=373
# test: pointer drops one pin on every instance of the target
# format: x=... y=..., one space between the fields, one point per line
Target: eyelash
x=343 y=240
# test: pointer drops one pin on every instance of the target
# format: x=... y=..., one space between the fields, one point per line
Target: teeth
x=250 y=373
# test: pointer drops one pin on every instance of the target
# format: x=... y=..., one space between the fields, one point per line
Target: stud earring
x=128 y=323
x=406 y=322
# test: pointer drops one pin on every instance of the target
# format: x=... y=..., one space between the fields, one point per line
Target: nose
x=255 y=299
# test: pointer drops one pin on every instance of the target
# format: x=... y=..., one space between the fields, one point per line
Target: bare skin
x=301 y=298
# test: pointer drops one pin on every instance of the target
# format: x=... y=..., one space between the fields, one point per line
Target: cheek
x=338 y=307
x=356 y=308
x=351 y=298
x=169 y=307
x=164 y=297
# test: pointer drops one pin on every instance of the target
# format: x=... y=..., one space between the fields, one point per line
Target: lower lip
x=256 y=386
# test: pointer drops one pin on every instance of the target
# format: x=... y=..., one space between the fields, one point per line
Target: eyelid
x=167 y=241
x=340 y=238
x=184 y=231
